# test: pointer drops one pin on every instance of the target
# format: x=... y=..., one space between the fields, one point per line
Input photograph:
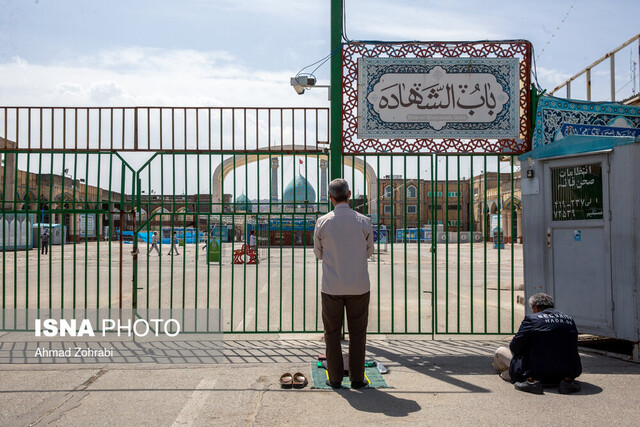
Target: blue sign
x=591 y=130
x=557 y=118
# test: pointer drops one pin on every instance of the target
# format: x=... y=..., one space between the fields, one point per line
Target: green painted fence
x=104 y=179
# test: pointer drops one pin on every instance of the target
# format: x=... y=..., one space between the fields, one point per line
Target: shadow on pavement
x=587 y=389
x=379 y=402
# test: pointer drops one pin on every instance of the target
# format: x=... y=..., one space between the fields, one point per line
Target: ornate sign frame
x=406 y=142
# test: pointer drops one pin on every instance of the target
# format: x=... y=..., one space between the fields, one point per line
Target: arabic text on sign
x=438 y=97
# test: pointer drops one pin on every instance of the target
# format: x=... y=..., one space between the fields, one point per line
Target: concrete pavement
x=441 y=382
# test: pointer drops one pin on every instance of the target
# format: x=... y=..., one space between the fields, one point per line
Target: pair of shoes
x=567 y=387
x=359 y=384
x=528 y=386
x=286 y=380
x=333 y=384
x=299 y=380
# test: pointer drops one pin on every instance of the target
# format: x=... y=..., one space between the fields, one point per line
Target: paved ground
x=443 y=382
x=474 y=286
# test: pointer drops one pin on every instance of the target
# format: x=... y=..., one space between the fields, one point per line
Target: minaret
x=323 y=180
x=274 y=179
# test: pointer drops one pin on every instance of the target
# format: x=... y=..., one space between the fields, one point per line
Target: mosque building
x=298 y=198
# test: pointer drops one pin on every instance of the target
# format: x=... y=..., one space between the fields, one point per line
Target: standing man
x=154 y=243
x=174 y=244
x=544 y=351
x=44 y=242
x=343 y=240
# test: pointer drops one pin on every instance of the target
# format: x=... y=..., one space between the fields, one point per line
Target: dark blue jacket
x=545 y=348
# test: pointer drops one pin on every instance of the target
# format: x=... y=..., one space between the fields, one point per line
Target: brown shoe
x=299 y=380
x=333 y=384
x=359 y=384
x=286 y=380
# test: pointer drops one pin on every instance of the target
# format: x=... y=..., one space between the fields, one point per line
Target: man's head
x=540 y=301
x=339 y=191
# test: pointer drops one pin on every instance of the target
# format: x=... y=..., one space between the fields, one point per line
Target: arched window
x=412 y=192
x=387 y=191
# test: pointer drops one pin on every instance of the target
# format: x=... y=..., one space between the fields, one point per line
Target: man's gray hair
x=541 y=300
x=339 y=190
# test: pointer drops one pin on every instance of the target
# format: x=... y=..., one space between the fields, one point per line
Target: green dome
x=243 y=203
x=299 y=191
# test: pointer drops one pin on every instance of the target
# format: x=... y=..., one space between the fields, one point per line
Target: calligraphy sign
x=438 y=98
x=557 y=118
x=592 y=130
x=576 y=192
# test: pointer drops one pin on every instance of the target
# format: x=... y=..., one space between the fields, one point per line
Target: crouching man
x=544 y=351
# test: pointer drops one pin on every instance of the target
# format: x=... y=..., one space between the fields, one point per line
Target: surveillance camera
x=309 y=80
x=296 y=86
x=300 y=83
x=303 y=80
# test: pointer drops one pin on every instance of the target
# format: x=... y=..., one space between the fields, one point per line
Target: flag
x=300 y=160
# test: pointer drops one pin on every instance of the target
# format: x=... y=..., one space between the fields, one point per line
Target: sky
x=242 y=53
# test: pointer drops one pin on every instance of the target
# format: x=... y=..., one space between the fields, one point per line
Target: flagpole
x=335 y=112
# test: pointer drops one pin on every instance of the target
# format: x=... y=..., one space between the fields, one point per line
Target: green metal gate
x=113 y=176
x=436 y=268
x=85 y=213
x=274 y=288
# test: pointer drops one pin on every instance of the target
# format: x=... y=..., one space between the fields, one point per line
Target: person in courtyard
x=343 y=240
x=252 y=240
x=154 y=243
x=44 y=242
x=206 y=243
x=543 y=351
x=174 y=244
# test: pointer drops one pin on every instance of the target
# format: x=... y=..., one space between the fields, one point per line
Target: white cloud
x=549 y=78
x=405 y=21
x=20 y=62
x=70 y=89
x=156 y=77
x=104 y=92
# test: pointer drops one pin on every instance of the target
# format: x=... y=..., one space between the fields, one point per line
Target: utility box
x=213 y=250
x=57 y=234
x=581 y=224
x=15 y=231
x=498 y=238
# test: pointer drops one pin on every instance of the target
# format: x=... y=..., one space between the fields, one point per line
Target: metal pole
x=612 y=64
x=336 y=90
